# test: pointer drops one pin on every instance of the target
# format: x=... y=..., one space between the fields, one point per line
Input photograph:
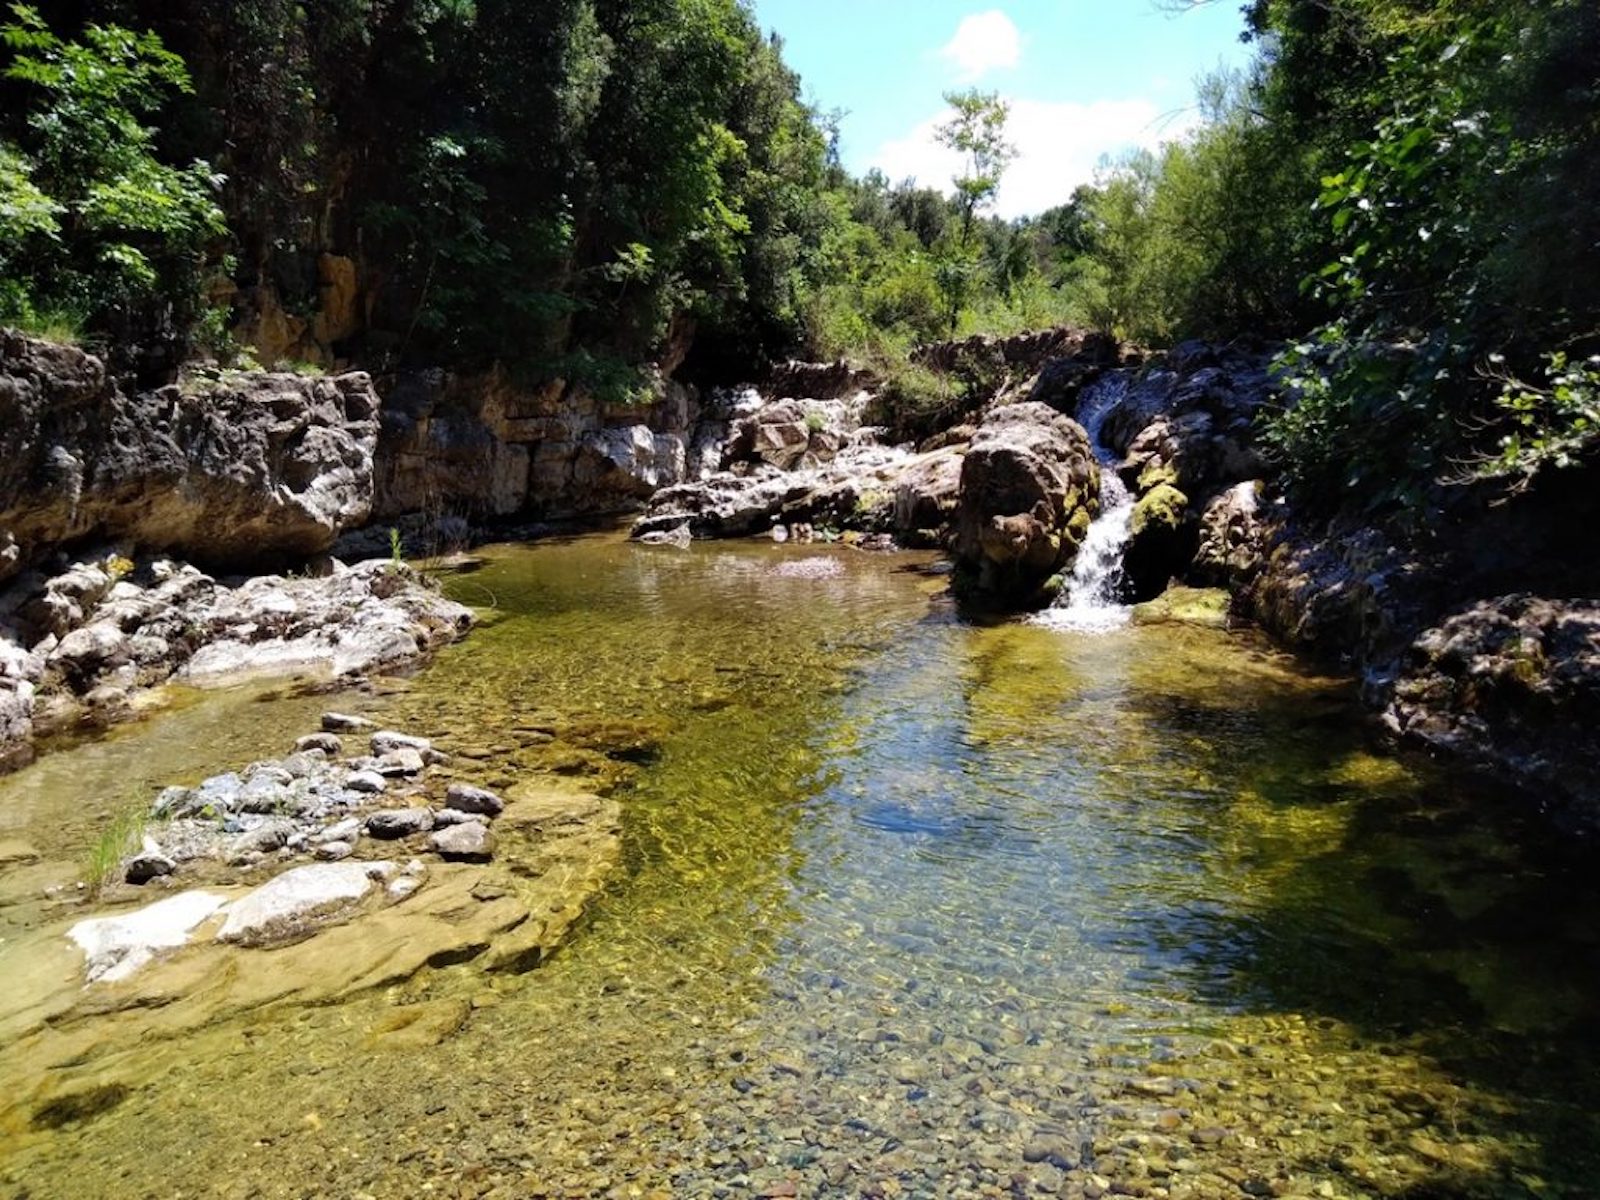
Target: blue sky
x=1085 y=78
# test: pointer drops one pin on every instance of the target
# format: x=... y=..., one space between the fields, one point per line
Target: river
x=911 y=906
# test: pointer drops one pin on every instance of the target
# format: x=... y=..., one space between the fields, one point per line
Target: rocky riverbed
x=309 y=879
x=904 y=906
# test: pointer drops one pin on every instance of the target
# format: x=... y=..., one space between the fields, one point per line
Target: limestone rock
x=1161 y=540
x=1512 y=683
x=228 y=470
x=296 y=903
x=1027 y=482
x=117 y=947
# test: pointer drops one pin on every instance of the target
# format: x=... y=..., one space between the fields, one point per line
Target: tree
x=977 y=130
x=97 y=229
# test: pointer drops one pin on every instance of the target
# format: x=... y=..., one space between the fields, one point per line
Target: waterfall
x=1092 y=600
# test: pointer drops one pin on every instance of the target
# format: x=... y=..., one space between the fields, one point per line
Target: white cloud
x=1059 y=146
x=984 y=42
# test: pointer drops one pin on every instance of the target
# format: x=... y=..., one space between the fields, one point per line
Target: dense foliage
x=1408 y=191
x=93 y=225
x=1405 y=191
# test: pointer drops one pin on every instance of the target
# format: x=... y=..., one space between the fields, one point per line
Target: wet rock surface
x=1512 y=683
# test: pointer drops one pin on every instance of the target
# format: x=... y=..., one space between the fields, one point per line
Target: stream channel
x=910 y=906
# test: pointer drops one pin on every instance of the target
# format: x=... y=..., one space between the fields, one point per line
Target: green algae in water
x=929 y=909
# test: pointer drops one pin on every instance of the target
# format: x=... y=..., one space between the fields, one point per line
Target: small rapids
x=1093 y=599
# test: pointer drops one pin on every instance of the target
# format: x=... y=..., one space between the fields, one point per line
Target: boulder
x=1512 y=683
x=1029 y=487
x=927 y=492
x=228 y=469
x=1161 y=540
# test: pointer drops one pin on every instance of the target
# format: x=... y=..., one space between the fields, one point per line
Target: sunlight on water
x=918 y=908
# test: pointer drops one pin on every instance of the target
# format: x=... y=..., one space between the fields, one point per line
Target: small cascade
x=1092 y=600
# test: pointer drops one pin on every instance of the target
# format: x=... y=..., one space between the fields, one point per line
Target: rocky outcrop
x=227 y=469
x=485 y=447
x=1513 y=684
x=86 y=647
x=1029 y=489
x=848 y=491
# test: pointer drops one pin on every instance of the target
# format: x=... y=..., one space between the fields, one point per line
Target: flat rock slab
x=119 y=946
x=296 y=903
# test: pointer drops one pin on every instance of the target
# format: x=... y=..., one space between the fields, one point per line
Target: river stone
x=467 y=798
x=446 y=817
x=333 y=722
x=116 y=947
x=294 y=904
x=263 y=839
x=366 y=781
x=469 y=842
x=403 y=761
x=393 y=823
x=333 y=851
x=328 y=743
x=147 y=865
x=347 y=830
x=386 y=741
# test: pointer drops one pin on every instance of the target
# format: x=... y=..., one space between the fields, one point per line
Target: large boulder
x=1512 y=683
x=1029 y=489
x=227 y=469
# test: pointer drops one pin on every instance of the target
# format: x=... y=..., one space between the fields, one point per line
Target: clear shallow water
x=918 y=908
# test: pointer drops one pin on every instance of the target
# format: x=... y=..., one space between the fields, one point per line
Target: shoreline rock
x=90 y=646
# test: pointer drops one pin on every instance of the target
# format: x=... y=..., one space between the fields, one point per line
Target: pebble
x=370 y=782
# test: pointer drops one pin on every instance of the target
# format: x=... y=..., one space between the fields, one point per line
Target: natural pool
x=911 y=907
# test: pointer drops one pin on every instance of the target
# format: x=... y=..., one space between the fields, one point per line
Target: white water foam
x=1091 y=601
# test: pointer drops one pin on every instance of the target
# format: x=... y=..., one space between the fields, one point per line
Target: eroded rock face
x=1512 y=683
x=1029 y=489
x=227 y=470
